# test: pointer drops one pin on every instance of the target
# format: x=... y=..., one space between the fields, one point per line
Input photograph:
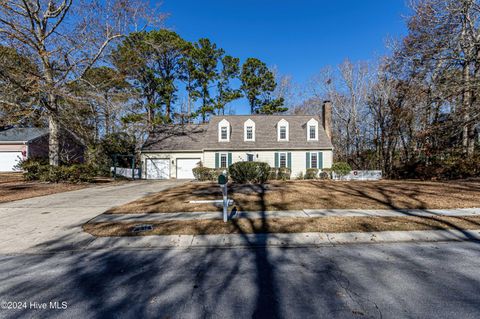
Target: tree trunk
x=168 y=110
x=54 y=139
x=189 y=106
x=467 y=100
x=471 y=139
x=107 y=115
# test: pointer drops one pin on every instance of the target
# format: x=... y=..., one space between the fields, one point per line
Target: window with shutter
x=283 y=159
x=314 y=160
x=223 y=160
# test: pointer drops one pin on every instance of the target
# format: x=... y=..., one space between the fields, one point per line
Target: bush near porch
x=243 y=172
x=249 y=172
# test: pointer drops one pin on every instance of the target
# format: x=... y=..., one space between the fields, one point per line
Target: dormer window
x=312 y=130
x=249 y=131
x=282 y=130
x=224 y=131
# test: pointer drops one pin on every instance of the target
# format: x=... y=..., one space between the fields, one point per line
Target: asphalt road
x=408 y=280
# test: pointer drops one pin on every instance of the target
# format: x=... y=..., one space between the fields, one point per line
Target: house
x=297 y=142
x=17 y=144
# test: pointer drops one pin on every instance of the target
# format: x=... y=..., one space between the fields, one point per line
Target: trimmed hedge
x=283 y=173
x=39 y=170
x=341 y=168
x=249 y=172
x=311 y=173
x=202 y=173
x=272 y=175
x=324 y=175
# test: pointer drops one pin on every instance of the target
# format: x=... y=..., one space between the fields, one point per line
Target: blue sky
x=298 y=37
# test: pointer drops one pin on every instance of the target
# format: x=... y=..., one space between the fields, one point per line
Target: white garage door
x=158 y=168
x=185 y=166
x=8 y=160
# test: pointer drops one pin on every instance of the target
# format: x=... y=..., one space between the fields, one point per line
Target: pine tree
x=258 y=84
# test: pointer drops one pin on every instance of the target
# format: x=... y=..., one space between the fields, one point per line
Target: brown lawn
x=286 y=225
x=13 y=187
x=297 y=195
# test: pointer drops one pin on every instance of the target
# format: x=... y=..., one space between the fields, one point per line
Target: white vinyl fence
x=126 y=172
x=359 y=176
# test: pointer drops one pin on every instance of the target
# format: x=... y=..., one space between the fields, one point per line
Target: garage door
x=185 y=166
x=158 y=168
x=8 y=160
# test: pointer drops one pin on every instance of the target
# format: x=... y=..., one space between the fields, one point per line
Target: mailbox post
x=222 y=181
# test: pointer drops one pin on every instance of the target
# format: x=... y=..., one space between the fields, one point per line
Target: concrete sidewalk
x=287 y=214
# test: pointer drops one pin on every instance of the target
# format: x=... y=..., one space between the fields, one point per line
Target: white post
x=225 y=203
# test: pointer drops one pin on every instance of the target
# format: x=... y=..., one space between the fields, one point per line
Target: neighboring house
x=297 y=142
x=17 y=144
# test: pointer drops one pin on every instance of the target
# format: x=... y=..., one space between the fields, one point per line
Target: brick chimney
x=327 y=118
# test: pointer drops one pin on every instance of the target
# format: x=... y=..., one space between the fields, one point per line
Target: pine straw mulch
x=298 y=195
x=286 y=225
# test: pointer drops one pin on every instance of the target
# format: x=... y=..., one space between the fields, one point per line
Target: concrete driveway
x=54 y=222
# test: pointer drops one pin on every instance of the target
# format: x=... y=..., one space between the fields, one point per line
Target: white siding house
x=297 y=142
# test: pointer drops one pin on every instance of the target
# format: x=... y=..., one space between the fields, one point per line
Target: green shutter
x=308 y=160
x=276 y=160
x=320 y=160
x=217 y=160
x=229 y=159
x=289 y=160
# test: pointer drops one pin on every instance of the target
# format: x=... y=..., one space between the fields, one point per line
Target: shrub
x=52 y=174
x=283 y=173
x=300 y=176
x=202 y=173
x=272 y=174
x=452 y=167
x=78 y=173
x=341 y=168
x=311 y=173
x=217 y=172
x=324 y=175
x=32 y=168
x=40 y=170
x=249 y=172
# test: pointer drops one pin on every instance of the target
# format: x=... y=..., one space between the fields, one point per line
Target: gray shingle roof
x=21 y=134
x=205 y=136
x=177 y=137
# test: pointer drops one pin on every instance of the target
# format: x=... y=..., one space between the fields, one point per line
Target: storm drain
x=142 y=228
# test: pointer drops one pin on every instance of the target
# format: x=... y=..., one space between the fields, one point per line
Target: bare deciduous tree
x=64 y=39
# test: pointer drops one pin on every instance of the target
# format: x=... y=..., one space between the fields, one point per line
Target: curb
x=280 y=240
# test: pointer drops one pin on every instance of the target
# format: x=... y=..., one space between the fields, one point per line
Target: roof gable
x=22 y=134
